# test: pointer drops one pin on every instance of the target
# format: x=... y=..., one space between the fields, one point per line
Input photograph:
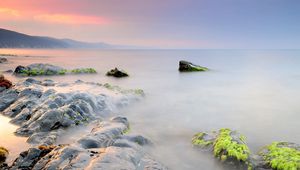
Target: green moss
x=225 y=145
x=282 y=157
x=198 y=140
x=62 y=72
x=198 y=68
x=83 y=70
x=127 y=130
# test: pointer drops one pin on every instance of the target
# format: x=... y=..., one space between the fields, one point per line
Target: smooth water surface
x=256 y=92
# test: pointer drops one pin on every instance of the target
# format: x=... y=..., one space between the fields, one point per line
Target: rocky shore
x=44 y=110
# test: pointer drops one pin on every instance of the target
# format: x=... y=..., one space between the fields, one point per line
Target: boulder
x=185 y=66
x=280 y=156
x=117 y=73
x=3 y=60
x=4 y=82
x=228 y=146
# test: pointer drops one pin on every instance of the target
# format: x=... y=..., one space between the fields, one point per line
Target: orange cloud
x=9 y=11
x=71 y=19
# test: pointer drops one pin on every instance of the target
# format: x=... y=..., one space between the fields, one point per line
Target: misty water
x=255 y=92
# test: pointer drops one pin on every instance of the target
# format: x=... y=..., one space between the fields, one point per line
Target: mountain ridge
x=13 y=39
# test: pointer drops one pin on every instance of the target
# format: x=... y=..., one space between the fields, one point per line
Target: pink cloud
x=71 y=19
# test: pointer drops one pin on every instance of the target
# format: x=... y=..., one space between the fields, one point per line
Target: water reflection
x=13 y=143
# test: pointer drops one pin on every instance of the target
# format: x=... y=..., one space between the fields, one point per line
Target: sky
x=206 y=24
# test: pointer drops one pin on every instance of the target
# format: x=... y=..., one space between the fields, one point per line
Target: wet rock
x=39 y=69
x=3 y=154
x=117 y=73
x=4 y=82
x=28 y=159
x=280 y=155
x=41 y=111
x=7 y=98
x=228 y=146
x=186 y=66
x=3 y=60
x=105 y=147
x=48 y=69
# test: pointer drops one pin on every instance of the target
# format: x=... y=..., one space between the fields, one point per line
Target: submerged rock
x=3 y=60
x=4 y=82
x=48 y=69
x=105 y=147
x=186 y=66
x=117 y=73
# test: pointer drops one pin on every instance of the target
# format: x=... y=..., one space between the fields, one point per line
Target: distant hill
x=12 y=39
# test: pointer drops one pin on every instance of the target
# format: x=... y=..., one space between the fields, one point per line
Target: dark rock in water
x=186 y=66
x=3 y=60
x=3 y=154
x=39 y=69
x=117 y=73
x=4 y=82
x=21 y=70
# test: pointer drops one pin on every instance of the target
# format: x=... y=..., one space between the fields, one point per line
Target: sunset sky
x=160 y=23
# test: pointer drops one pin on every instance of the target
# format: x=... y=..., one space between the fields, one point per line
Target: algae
x=282 y=157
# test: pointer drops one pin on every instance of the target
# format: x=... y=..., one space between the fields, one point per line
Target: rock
x=228 y=146
x=28 y=159
x=42 y=112
x=7 y=98
x=185 y=66
x=4 y=82
x=117 y=73
x=3 y=154
x=21 y=70
x=3 y=60
x=48 y=69
x=281 y=156
x=105 y=147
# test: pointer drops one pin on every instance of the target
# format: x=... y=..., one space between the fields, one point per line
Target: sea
x=255 y=92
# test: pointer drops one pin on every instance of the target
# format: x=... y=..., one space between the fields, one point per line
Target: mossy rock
x=117 y=73
x=3 y=154
x=228 y=146
x=282 y=156
x=185 y=66
x=48 y=70
x=203 y=140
